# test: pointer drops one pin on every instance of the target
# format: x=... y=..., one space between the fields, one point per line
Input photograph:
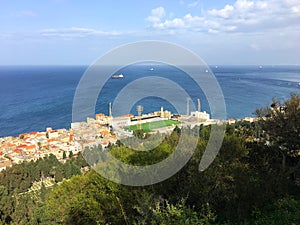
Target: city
x=101 y=130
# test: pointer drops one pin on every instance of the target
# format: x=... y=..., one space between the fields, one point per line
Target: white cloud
x=224 y=13
x=212 y=31
x=187 y=21
x=262 y=5
x=175 y=23
x=76 y=32
x=242 y=16
x=295 y=9
x=244 y=5
x=156 y=15
x=195 y=23
x=158 y=12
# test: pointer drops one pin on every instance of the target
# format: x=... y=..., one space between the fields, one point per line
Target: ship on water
x=117 y=76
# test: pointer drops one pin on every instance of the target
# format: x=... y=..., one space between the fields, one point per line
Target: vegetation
x=20 y=198
x=254 y=180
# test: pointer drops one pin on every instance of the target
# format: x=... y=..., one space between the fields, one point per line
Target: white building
x=76 y=125
x=121 y=121
x=200 y=115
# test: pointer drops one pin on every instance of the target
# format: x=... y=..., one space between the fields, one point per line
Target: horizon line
x=86 y=65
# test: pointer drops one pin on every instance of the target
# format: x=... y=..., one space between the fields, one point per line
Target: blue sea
x=35 y=97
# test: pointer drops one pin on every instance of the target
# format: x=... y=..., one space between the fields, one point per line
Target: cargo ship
x=117 y=76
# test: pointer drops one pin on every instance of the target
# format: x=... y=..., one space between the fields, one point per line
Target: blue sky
x=76 y=32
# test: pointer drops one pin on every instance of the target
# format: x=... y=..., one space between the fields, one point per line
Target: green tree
x=43 y=192
x=283 y=211
x=64 y=155
x=281 y=126
x=25 y=205
x=85 y=199
x=40 y=145
x=7 y=205
x=179 y=213
x=139 y=133
x=80 y=161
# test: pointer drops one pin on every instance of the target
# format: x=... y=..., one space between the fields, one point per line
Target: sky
x=77 y=32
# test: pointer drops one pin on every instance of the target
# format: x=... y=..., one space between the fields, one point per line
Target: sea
x=33 y=98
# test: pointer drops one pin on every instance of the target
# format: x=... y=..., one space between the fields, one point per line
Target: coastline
x=103 y=130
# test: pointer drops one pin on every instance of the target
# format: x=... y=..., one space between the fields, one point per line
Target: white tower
x=199 y=105
x=109 y=109
x=139 y=109
x=187 y=106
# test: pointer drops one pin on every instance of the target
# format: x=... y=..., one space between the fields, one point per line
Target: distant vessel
x=117 y=76
x=151 y=69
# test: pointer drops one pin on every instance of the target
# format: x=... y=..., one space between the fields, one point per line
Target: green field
x=147 y=127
